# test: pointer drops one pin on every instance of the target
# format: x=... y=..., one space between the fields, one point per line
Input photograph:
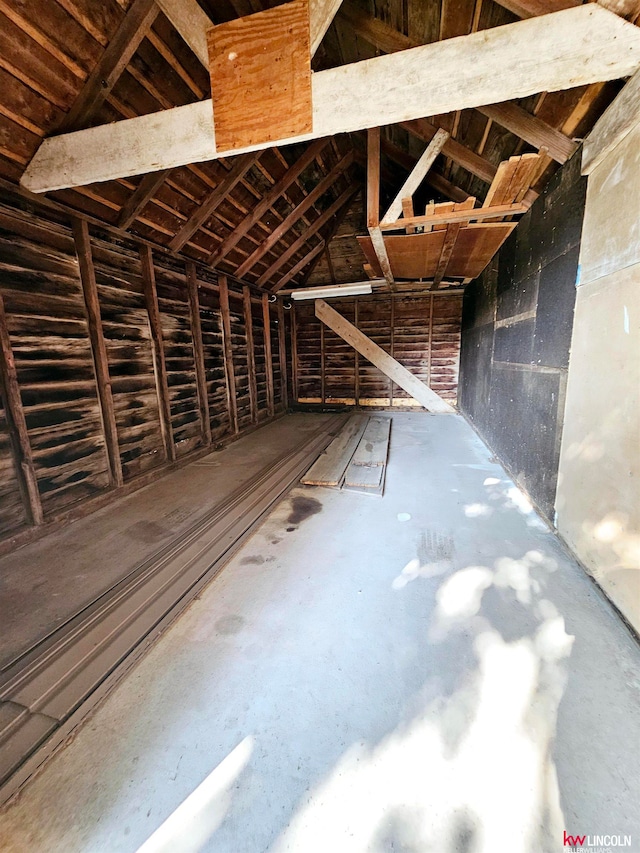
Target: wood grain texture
x=115 y=59
x=98 y=349
x=159 y=365
x=532 y=129
x=198 y=351
x=228 y=353
x=552 y=52
x=251 y=363
x=417 y=175
x=329 y=468
x=262 y=59
x=389 y=366
x=14 y=414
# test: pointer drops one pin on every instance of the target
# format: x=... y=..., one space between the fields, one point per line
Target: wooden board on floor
x=329 y=468
x=366 y=471
x=264 y=58
x=374 y=444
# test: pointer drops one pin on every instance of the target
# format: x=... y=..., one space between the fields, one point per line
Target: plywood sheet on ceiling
x=260 y=69
x=414 y=256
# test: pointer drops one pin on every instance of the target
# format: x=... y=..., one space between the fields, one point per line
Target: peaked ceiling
x=267 y=217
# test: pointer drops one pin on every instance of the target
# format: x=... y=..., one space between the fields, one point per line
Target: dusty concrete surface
x=48 y=581
x=426 y=672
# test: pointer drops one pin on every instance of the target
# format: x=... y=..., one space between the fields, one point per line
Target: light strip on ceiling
x=328 y=292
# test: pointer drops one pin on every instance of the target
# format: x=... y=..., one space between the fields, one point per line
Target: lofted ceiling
x=283 y=216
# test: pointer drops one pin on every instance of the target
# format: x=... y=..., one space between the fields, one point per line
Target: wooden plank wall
x=67 y=411
x=421 y=331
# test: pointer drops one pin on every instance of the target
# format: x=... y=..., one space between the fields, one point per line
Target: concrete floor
x=428 y=672
x=48 y=581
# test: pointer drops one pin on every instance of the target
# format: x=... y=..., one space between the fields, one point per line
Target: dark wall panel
x=516 y=336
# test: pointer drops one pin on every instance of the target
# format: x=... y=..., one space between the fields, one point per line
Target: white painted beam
x=417 y=175
x=397 y=372
x=321 y=13
x=192 y=23
x=571 y=48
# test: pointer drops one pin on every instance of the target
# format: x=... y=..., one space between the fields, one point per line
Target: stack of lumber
x=356 y=459
x=449 y=244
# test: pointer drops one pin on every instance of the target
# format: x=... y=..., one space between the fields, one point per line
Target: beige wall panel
x=598 y=498
x=611 y=234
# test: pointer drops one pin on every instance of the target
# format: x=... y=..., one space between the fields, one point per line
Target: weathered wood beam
x=98 y=350
x=282 y=355
x=613 y=125
x=251 y=353
x=321 y=14
x=453 y=228
x=337 y=222
x=373 y=177
x=463 y=156
x=306 y=235
x=157 y=350
x=532 y=8
x=18 y=432
x=510 y=116
x=532 y=129
x=98 y=85
x=434 y=179
x=229 y=371
x=268 y=357
x=207 y=206
x=192 y=23
x=417 y=175
x=311 y=255
x=317 y=192
x=294 y=354
x=386 y=38
x=566 y=49
x=139 y=199
x=189 y=19
x=198 y=351
x=373 y=203
x=391 y=368
x=267 y=202
x=479 y=214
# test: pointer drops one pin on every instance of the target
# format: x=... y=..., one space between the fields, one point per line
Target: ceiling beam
x=463 y=156
x=321 y=13
x=510 y=116
x=417 y=175
x=141 y=196
x=98 y=85
x=373 y=203
x=434 y=179
x=532 y=8
x=309 y=232
x=192 y=23
x=317 y=192
x=373 y=30
x=302 y=263
x=552 y=52
x=206 y=207
x=532 y=129
x=267 y=201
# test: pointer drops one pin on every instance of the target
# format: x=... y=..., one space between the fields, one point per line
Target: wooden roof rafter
x=318 y=191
